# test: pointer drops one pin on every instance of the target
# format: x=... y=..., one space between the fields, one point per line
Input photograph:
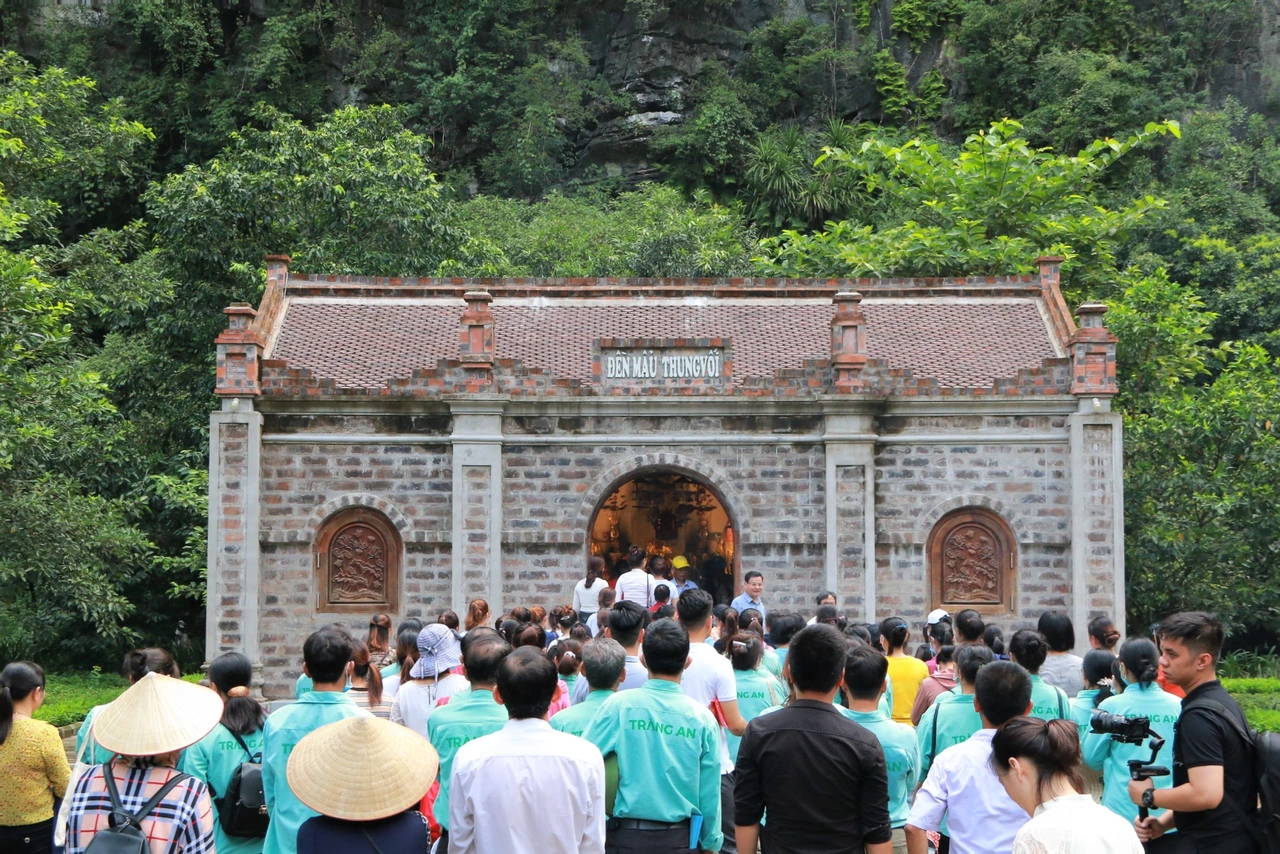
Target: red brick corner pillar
x=476 y=344
x=848 y=341
x=1093 y=354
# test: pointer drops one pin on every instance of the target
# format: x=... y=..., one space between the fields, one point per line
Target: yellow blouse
x=35 y=767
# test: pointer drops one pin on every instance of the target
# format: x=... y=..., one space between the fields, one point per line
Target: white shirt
x=415 y=701
x=588 y=598
x=635 y=586
x=527 y=788
x=1074 y=824
x=962 y=785
x=709 y=678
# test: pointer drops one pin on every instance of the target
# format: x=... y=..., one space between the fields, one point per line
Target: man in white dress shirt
x=963 y=787
x=527 y=789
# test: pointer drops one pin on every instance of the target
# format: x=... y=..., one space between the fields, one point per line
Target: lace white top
x=1075 y=824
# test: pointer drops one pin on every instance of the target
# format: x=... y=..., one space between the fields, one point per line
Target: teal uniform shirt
x=1048 y=703
x=772 y=662
x=575 y=719
x=948 y=722
x=213 y=759
x=569 y=682
x=464 y=718
x=1081 y=710
x=757 y=691
x=901 y=756
x=98 y=755
x=1111 y=757
x=668 y=750
x=392 y=669
x=302 y=686
x=283 y=730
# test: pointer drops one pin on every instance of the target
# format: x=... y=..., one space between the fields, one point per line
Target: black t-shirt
x=1203 y=737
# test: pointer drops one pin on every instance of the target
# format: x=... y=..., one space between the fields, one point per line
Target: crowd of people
x=644 y=717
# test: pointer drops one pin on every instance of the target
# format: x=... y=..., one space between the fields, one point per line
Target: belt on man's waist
x=644 y=824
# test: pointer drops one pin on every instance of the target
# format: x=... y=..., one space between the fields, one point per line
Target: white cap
x=936 y=616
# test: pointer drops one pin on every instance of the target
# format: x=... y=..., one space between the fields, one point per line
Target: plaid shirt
x=183 y=821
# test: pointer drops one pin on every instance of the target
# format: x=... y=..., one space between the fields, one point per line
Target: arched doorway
x=669 y=513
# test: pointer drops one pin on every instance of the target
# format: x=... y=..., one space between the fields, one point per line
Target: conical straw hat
x=158 y=714
x=362 y=768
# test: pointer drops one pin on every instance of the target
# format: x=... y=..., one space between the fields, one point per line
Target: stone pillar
x=1097 y=476
x=851 y=517
x=235 y=465
x=848 y=341
x=477 y=502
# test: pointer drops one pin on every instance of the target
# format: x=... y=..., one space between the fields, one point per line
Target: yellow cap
x=679 y=562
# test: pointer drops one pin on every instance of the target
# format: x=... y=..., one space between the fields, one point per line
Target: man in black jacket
x=1211 y=809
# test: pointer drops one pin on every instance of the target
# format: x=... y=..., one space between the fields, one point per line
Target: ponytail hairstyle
x=595 y=568
x=580 y=632
x=895 y=632
x=1029 y=648
x=152 y=659
x=941 y=634
x=1142 y=659
x=827 y=614
x=537 y=615
x=379 y=633
x=568 y=656
x=993 y=637
x=636 y=556
x=371 y=676
x=745 y=650
x=1097 y=672
x=751 y=621
x=728 y=628
x=521 y=614
x=566 y=618
x=406 y=651
x=1052 y=746
x=17 y=681
x=477 y=614
x=1104 y=631
x=231 y=673
x=529 y=634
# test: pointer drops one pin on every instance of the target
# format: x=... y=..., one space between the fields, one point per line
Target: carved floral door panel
x=357 y=562
x=973 y=562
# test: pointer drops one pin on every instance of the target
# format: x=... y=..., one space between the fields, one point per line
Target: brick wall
x=232 y=444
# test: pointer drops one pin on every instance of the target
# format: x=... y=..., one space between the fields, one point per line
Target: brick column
x=848 y=341
x=477 y=502
x=849 y=496
x=1097 y=475
x=476 y=344
x=235 y=453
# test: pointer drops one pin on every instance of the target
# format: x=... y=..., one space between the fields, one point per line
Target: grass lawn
x=70 y=696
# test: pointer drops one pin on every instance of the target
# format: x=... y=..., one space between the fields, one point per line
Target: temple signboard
x=662 y=361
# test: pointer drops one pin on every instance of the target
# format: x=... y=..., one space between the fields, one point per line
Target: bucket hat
x=438 y=651
x=362 y=769
x=157 y=715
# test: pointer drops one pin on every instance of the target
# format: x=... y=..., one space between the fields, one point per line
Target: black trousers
x=629 y=840
x=726 y=815
x=27 y=838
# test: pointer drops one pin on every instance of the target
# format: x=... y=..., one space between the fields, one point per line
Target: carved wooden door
x=973 y=562
x=358 y=563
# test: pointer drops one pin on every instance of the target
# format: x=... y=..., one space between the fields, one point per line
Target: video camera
x=1132 y=730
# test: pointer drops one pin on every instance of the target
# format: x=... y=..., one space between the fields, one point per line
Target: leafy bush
x=1249 y=685
x=1264 y=721
x=70 y=696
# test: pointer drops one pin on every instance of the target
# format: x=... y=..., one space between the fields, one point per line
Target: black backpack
x=124 y=835
x=242 y=808
x=1264 y=825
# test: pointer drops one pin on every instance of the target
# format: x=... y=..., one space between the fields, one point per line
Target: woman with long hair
x=477 y=615
x=906 y=672
x=366 y=683
x=430 y=679
x=35 y=766
x=137 y=664
x=1136 y=694
x=406 y=655
x=1038 y=764
x=728 y=628
x=381 y=651
x=236 y=739
x=586 y=593
x=757 y=688
x=1103 y=634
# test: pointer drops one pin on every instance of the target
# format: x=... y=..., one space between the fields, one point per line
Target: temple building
x=406 y=445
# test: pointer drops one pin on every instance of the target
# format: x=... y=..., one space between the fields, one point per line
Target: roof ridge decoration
x=367 y=345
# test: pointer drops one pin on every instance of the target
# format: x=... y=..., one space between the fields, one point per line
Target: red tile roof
x=361 y=343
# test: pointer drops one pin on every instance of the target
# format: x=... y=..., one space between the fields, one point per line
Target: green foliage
x=707 y=150
x=1264 y=721
x=70 y=696
x=651 y=232
x=990 y=208
x=919 y=19
x=790 y=188
x=891 y=86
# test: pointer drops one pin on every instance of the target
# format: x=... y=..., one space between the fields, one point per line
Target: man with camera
x=1210 y=808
